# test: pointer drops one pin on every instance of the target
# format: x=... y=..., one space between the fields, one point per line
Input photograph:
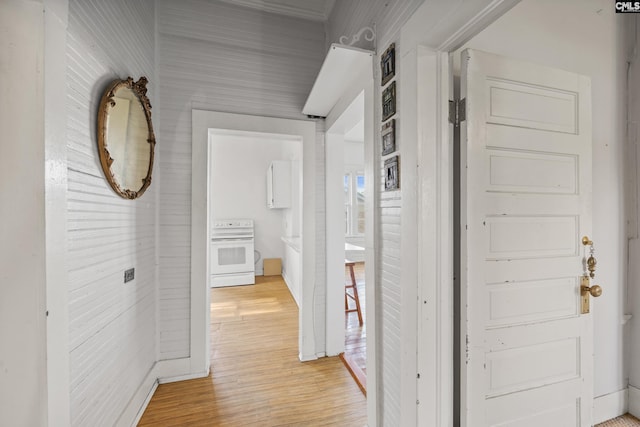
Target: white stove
x=231 y=254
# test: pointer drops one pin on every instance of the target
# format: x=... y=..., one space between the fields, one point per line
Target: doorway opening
x=346 y=228
x=302 y=135
x=255 y=209
x=523 y=192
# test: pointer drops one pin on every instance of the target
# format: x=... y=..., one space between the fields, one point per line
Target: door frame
x=427 y=72
x=202 y=123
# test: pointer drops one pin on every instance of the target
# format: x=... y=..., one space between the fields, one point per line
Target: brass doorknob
x=594 y=290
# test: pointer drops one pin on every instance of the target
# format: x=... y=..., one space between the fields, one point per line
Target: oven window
x=232 y=256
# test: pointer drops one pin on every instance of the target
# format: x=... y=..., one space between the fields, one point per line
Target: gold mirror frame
x=107 y=102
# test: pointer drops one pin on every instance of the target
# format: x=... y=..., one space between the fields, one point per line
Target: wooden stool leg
x=354 y=285
x=357 y=300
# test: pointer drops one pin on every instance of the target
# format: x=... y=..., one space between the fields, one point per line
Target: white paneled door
x=525 y=205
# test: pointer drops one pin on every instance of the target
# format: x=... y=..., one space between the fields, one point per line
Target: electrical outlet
x=128 y=275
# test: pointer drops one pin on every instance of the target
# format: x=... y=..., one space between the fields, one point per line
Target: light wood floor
x=256 y=378
x=355 y=349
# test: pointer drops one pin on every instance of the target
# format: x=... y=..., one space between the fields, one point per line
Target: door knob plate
x=586 y=292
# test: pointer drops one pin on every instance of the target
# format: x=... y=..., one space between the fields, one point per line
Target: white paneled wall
x=220 y=57
x=112 y=325
x=346 y=19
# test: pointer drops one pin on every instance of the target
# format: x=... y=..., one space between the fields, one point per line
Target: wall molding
x=290 y=284
x=634 y=401
x=162 y=372
x=140 y=400
x=610 y=405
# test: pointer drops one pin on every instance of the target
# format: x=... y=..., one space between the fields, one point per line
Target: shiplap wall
x=112 y=325
x=346 y=19
x=219 y=57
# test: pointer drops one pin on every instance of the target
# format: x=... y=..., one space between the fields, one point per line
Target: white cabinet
x=279 y=184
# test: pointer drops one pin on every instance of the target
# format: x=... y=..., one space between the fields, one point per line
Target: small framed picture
x=389 y=137
x=389 y=101
x=391 y=174
x=388 y=64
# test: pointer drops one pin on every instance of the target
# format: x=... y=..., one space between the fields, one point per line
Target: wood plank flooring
x=256 y=378
x=355 y=352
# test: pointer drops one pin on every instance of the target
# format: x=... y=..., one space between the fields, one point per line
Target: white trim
x=139 y=401
x=610 y=406
x=477 y=23
x=290 y=285
x=407 y=121
x=179 y=378
x=202 y=122
x=435 y=244
x=634 y=401
x=55 y=175
x=371 y=183
x=167 y=371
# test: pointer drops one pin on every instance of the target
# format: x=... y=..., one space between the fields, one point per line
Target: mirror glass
x=125 y=137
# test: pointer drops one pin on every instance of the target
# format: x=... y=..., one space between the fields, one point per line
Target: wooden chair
x=353 y=286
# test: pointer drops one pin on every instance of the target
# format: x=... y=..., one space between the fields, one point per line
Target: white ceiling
x=315 y=10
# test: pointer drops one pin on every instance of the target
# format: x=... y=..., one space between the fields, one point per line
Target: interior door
x=527 y=351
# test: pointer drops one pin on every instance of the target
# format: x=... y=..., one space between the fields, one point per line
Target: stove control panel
x=233 y=223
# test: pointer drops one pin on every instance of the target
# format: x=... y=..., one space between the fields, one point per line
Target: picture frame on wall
x=389 y=101
x=388 y=134
x=391 y=174
x=388 y=64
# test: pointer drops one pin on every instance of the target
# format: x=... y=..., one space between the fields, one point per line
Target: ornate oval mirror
x=125 y=137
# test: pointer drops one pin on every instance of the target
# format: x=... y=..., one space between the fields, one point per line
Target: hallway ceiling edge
x=315 y=10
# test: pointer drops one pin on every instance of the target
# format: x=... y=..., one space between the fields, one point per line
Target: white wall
x=586 y=38
x=112 y=325
x=219 y=57
x=292 y=225
x=23 y=388
x=238 y=187
x=354 y=155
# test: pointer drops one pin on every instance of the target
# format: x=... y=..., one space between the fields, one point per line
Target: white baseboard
x=610 y=406
x=304 y=358
x=138 y=403
x=164 y=371
x=634 y=401
x=290 y=285
x=173 y=370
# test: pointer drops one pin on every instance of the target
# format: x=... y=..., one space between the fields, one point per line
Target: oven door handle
x=225 y=239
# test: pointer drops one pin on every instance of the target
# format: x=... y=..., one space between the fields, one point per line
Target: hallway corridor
x=256 y=377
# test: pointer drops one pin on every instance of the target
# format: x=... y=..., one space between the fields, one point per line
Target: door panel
x=525 y=204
